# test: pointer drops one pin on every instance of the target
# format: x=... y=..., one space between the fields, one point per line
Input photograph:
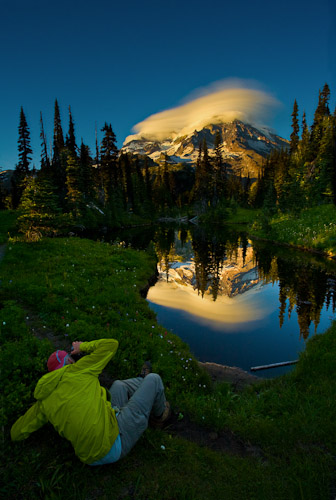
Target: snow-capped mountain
x=243 y=148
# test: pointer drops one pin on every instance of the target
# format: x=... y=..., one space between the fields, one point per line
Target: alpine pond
x=235 y=301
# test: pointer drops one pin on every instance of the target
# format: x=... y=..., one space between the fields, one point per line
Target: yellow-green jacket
x=75 y=403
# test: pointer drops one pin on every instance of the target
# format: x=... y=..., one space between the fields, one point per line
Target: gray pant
x=136 y=399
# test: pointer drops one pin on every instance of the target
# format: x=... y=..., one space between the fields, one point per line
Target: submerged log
x=273 y=365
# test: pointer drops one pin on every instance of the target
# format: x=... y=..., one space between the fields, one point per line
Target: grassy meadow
x=312 y=229
x=8 y=226
x=67 y=289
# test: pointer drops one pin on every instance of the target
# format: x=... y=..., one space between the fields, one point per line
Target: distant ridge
x=244 y=146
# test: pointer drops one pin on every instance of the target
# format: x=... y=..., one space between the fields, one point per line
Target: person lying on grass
x=102 y=425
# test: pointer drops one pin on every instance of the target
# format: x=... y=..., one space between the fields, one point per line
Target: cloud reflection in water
x=244 y=308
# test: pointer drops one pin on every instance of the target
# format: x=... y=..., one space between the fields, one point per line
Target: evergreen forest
x=76 y=188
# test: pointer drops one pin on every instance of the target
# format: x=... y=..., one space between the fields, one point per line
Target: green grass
x=85 y=290
x=313 y=228
x=7 y=224
x=242 y=216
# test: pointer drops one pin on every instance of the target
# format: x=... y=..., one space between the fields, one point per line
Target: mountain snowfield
x=243 y=148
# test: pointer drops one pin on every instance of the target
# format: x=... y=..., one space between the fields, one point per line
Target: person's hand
x=75 y=347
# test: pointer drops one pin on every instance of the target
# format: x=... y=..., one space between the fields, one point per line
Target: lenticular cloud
x=219 y=103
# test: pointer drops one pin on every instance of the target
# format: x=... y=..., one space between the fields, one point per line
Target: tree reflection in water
x=225 y=262
x=306 y=282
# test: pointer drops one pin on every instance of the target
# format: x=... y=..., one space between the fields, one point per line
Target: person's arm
x=32 y=420
x=101 y=352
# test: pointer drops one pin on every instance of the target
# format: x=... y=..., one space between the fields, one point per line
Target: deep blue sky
x=123 y=61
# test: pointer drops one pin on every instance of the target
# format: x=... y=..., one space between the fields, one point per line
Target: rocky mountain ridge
x=243 y=148
x=237 y=275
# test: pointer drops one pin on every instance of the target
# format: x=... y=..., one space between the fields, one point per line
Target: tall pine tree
x=74 y=195
x=39 y=209
x=70 y=138
x=86 y=172
x=25 y=150
x=22 y=167
x=58 y=143
x=45 y=162
x=321 y=112
x=59 y=160
x=219 y=177
x=294 y=137
x=109 y=174
x=304 y=143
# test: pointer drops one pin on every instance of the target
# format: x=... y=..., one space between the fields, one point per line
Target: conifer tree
x=165 y=184
x=70 y=139
x=172 y=187
x=128 y=184
x=59 y=159
x=326 y=161
x=148 y=180
x=39 y=209
x=86 y=172
x=203 y=176
x=198 y=174
x=206 y=175
x=259 y=191
x=25 y=150
x=45 y=162
x=157 y=188
x=322 y=111
x=97 y=158
x=246 y=190
x=139 y=187
x=58 y=143
x=22 y=168
x=294 y=137
x=333 y=179
x=219 y=188
x=284 y=175
x=108 y=163
x=304 y=144
x=138 y=170
x=74 y=195
x=325 y=96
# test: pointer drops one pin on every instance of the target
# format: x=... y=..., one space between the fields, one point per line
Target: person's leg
x=122 y=390
x=133 y=417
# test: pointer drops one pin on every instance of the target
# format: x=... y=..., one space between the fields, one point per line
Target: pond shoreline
x=295 y=247
x=233 y=375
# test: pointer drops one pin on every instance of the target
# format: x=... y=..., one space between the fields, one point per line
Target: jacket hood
x=48 y=383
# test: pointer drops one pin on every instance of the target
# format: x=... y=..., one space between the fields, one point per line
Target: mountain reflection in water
x=228 y=297
x=225 y=268
x=216 y=283
x=235 y=301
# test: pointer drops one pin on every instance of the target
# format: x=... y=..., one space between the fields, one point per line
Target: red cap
x=56 y=360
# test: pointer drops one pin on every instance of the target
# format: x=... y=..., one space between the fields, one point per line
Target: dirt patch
x=224 y=441
x=233 y=375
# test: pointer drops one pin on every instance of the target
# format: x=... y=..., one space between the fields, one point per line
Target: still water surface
x=235 y=301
